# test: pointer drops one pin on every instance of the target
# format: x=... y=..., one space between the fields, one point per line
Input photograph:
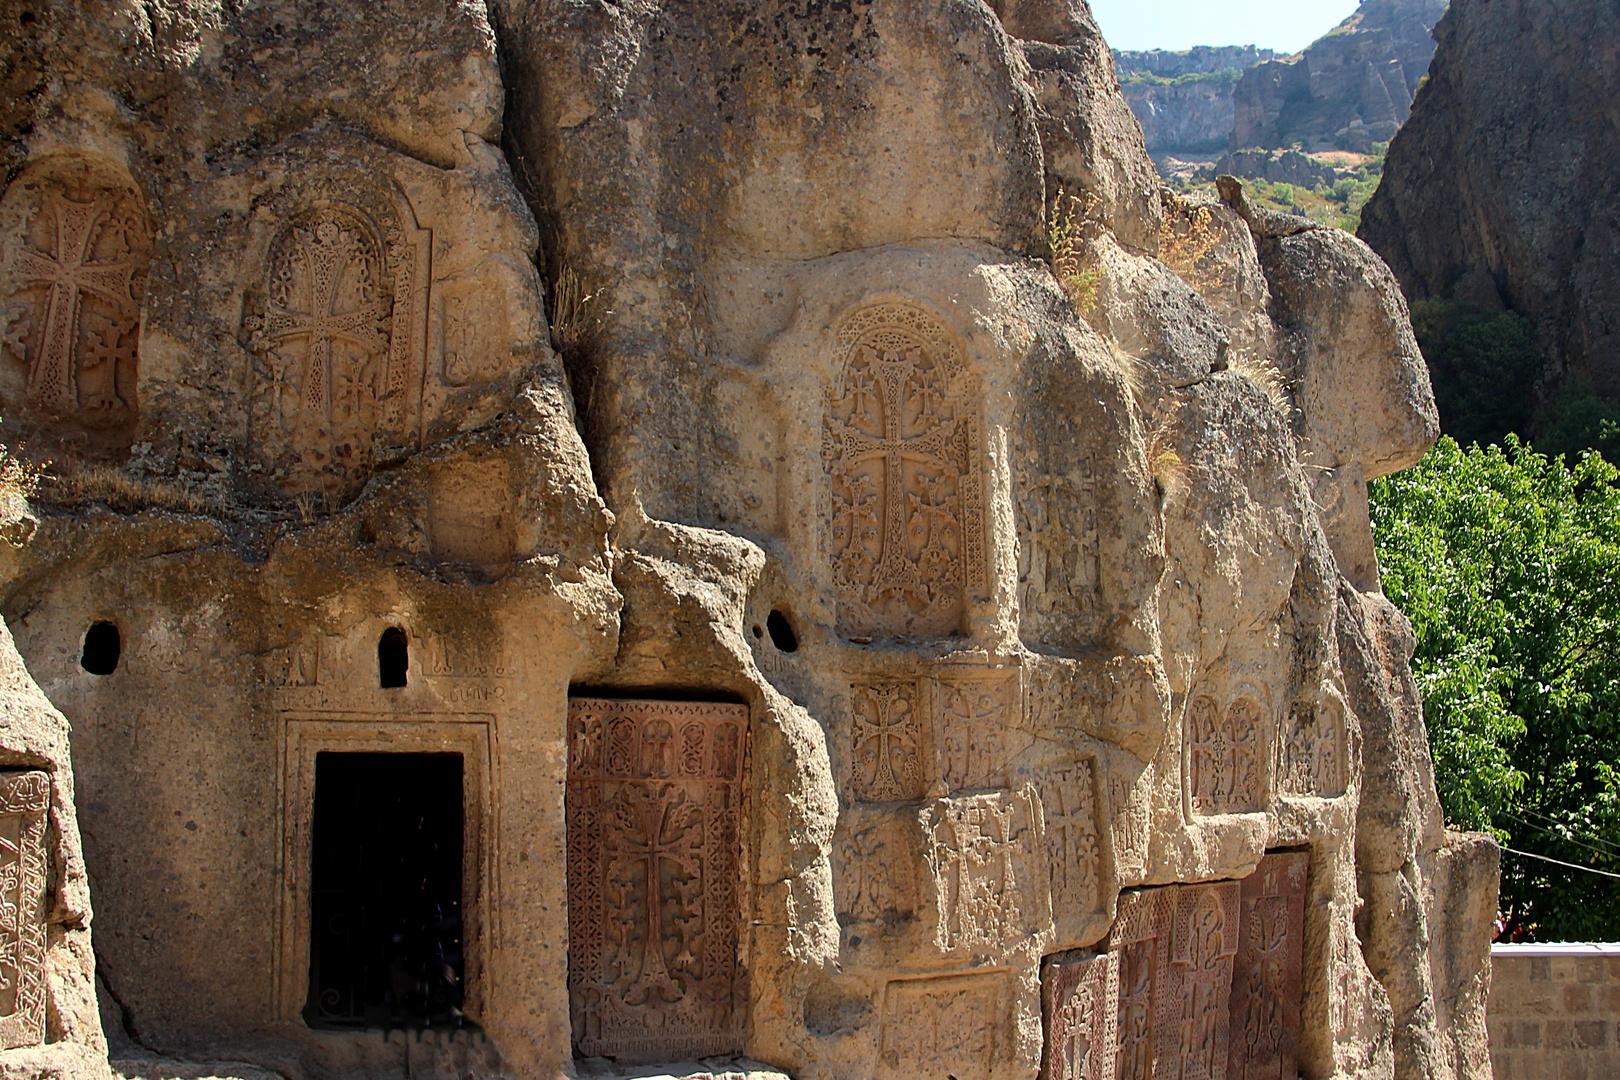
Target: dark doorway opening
x=385 y=896
x=102 y=648
x=393 y=657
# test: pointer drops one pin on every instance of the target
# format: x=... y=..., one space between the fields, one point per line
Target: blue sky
x=1285 y=25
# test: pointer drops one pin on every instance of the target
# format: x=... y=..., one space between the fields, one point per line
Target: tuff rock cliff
x=1347 y=90
x=1501 y=189
x=829 y=636
x=1183 y=100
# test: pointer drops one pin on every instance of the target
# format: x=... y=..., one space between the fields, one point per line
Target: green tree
x=1507 y=562
x=1483 y=365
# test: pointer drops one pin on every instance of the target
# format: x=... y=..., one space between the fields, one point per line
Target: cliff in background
x=1503 y=187
x=1347 y=90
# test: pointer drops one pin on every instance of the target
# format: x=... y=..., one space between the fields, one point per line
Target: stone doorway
x=655 y=879
x=386 y=929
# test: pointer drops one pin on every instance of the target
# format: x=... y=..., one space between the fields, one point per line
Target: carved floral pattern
x=74 y=274
x=889 y=745
x=653 y=867
x=1081 y=1015
x=902 y=448
x=981 y=852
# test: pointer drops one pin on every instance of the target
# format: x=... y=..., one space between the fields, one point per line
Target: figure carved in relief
x=653 y=843
x=1223 y=762
x=1070 y=801
x=887 y=742
x=973 y=716
x=74 y=275
x=1136 y=1006
x=1206 y=985
x=902 y=452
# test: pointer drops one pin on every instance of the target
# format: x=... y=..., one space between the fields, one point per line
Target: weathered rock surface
x=1190 y=112
x=1501 y=188
x=1347 y=90
x=850 y=655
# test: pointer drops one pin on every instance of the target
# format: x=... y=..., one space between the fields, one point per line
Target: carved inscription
x=902 y=450
x=974 y=709
x=1140 y=938
x=890 y=750
x=949 y=1026
x=875 y=880
x=74 y=274
x=337 y=342
x=1080 y=1012
x=981 y=850
x=1192 y=1032
x=1223 y=763
x=653 y=866
x=25 y=798
x=1069 y=798
x=1267 y=975
x=1313 y=753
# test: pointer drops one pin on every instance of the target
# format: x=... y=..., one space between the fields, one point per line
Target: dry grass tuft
x=576 y=314
x=83 y=483
x=1065 y=237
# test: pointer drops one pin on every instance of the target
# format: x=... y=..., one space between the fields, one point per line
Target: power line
x=1560 y=862
x=1543 y=830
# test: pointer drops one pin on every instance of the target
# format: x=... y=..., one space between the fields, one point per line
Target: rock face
x=840 y=652
x=1183 y=100
x=1501 y=189
x=1347 y=90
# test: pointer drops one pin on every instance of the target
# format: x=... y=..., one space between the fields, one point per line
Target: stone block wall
x=1553 y=1010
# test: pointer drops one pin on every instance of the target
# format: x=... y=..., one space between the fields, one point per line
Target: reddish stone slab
x=1080 y=1015
x=1267 y=979
x=1192 y=1033
x=1140 y=939
x=654 y=790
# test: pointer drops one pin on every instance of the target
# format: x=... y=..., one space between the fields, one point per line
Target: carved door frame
x=303 y=736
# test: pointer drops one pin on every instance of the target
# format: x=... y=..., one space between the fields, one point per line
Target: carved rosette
x=902 y=452
x=338 y=336
x=25 y=798
x=654 y=843
x=72 y=279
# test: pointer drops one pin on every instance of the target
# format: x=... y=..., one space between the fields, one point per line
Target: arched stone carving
x=76 y=255
x=903 y=450
x=1223 y=756
x=338 y=336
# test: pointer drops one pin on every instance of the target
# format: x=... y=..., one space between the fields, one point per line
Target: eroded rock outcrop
x=1500 y=191
x=1348 y=89
x=843 y=652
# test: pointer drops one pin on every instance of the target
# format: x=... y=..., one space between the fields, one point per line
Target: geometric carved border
x=25 y=797
x=304 y=736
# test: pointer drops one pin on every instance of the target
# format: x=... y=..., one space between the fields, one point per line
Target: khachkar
x=653 y=856
x=902 y=452
x=72 y=279
x=337 y=335
x=1198 y=982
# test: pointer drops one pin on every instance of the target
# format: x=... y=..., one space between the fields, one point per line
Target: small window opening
x=102 y=647
x=386 y=944
x=393 y=657
x=781 y=631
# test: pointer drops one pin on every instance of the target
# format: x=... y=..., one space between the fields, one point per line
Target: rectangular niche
x=344 y=778
x=654 y=878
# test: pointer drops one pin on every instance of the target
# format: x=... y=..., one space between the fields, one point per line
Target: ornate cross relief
x=1223 y=757
x=983 y=853
x=339 y=340
x=976 y=704
x=943 y=1026
x=1313 y=753
x=1193 y=1033
x=891 y=742
x=1080 y=1012
x=1140 y=938
x=1074 y=848
x=1267 y=976
x=74 y=275
x=902 y=451
x=654 y=792
x=25 y=798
